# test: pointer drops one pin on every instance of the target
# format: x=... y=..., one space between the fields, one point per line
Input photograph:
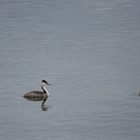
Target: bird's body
x=38 y=94
x=35 y=94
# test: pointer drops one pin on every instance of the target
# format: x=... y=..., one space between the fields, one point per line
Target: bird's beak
x=48 y=84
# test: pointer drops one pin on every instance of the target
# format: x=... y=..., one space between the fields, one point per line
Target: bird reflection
x=43 y=106
x=43 y=99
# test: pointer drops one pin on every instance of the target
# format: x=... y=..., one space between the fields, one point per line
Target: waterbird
x=38 y=94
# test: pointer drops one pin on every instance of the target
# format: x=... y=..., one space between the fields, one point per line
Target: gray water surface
x=89 y=51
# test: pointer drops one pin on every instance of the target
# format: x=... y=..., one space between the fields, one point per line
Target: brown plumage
x=35 y=94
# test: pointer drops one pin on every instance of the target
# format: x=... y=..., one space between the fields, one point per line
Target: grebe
x=39 y=94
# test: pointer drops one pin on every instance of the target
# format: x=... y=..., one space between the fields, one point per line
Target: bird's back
x=35 y=94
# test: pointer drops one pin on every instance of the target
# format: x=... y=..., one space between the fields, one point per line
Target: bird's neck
x=45 y=90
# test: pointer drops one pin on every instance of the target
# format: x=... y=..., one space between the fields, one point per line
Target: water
x=89 y=52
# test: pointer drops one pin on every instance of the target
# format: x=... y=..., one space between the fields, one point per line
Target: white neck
x=46 y=90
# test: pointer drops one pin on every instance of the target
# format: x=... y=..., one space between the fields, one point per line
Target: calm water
x=89 y=51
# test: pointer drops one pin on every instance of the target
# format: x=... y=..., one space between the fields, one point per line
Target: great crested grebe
x=39 y=94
